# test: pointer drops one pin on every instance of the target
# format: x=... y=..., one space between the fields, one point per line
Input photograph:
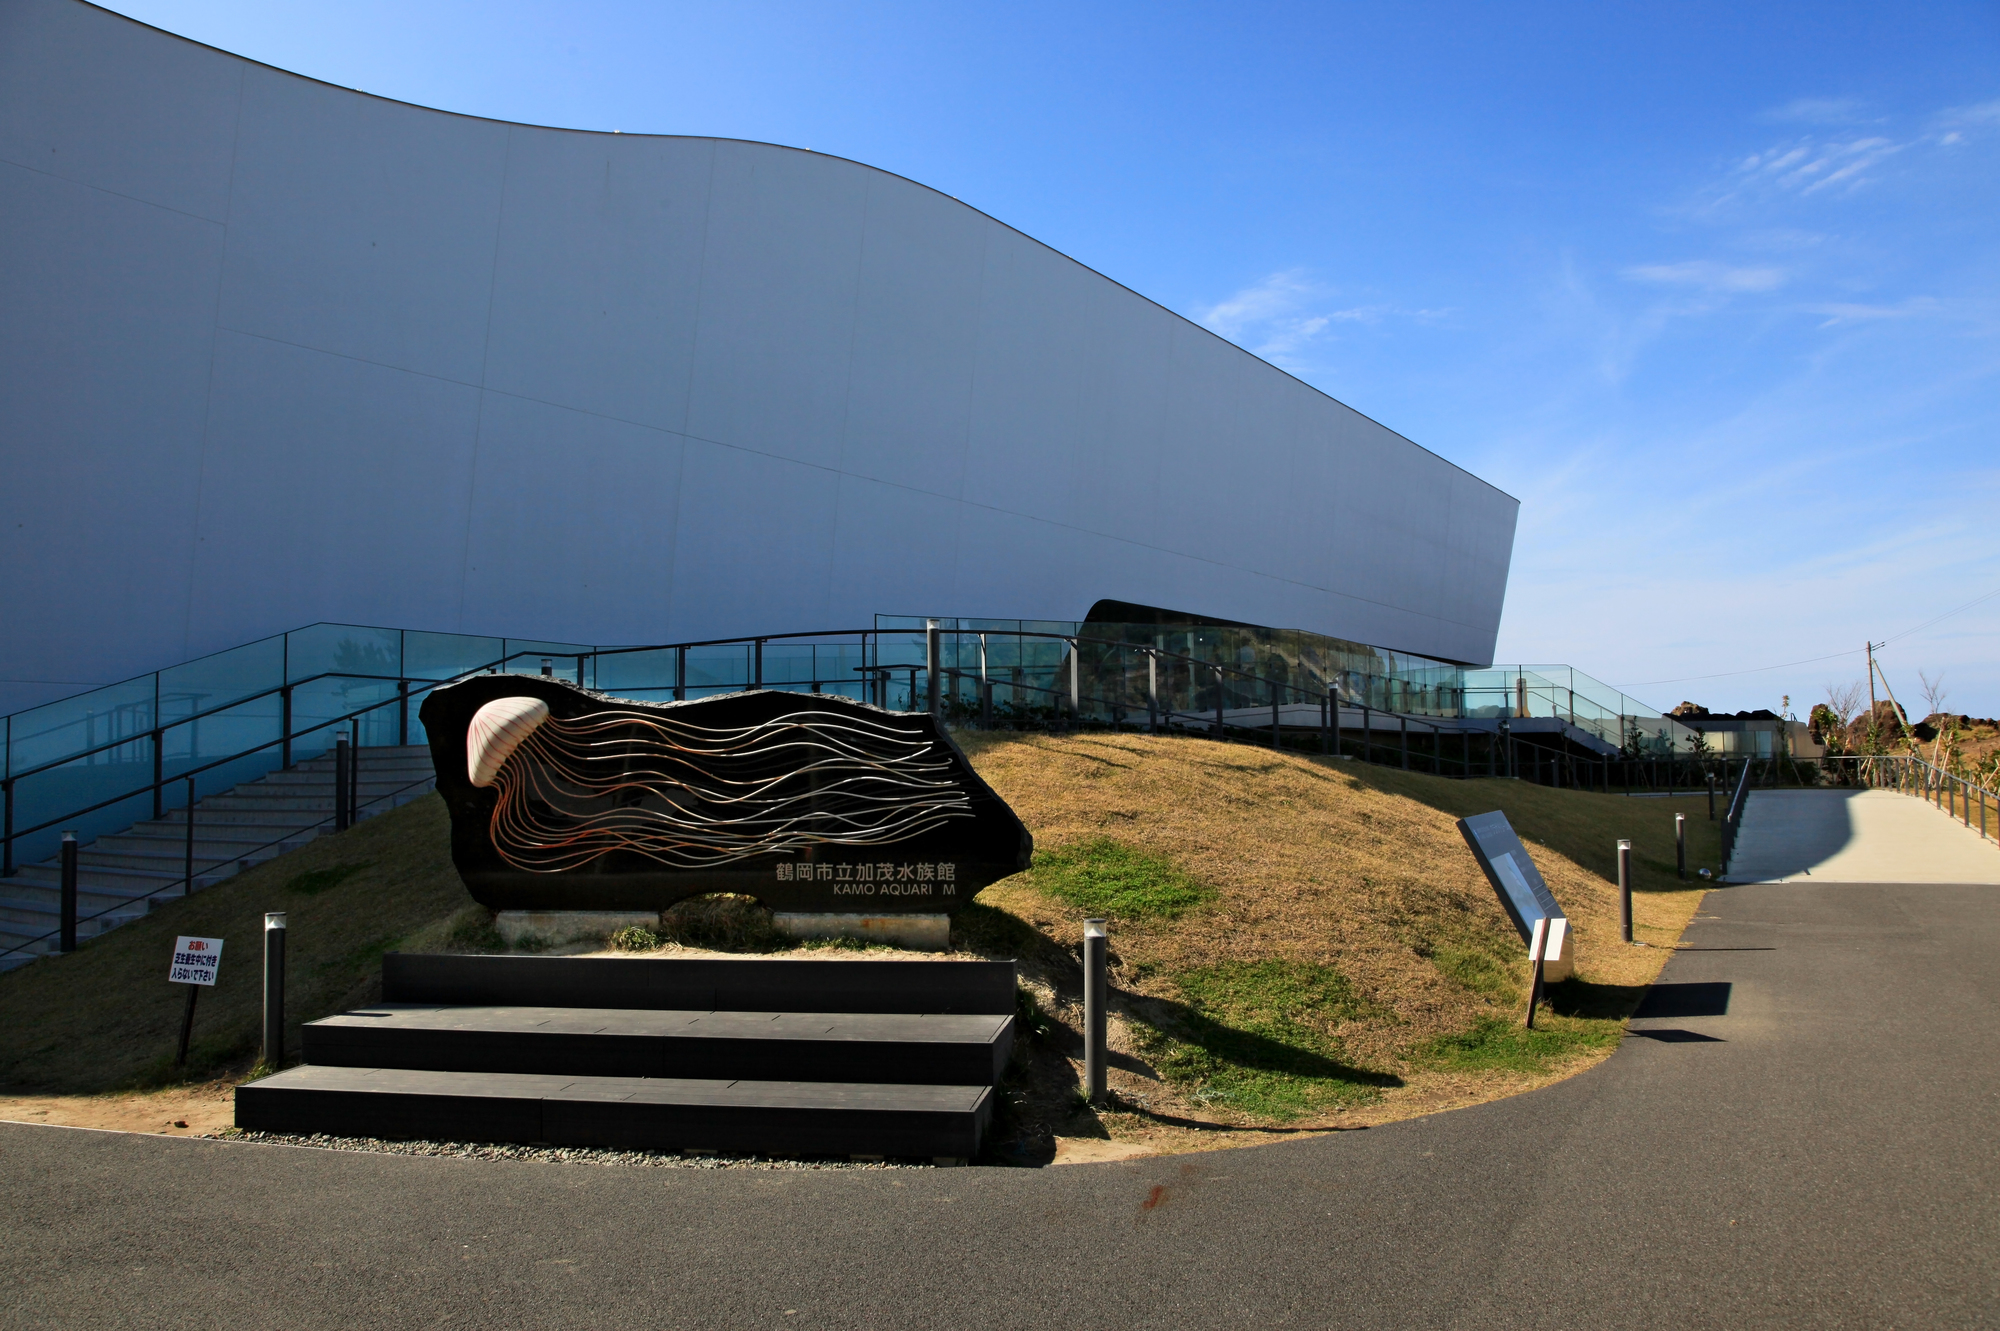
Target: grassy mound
x=1295 y=939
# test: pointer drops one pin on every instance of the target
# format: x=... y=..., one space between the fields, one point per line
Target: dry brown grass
x=1336 y=864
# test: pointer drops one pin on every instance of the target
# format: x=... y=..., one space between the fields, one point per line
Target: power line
x=1758 y=670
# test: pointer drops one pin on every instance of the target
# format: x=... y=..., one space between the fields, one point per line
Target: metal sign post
x=1536 y=944
x=195 y=963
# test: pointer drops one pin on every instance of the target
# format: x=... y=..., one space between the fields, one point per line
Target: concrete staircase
x=122 y=876
x=895 y=1059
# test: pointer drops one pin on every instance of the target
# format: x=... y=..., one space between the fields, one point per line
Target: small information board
x=1518 y=883
x=195 y=960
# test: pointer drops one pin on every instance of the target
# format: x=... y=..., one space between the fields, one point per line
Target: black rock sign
x=565 y=799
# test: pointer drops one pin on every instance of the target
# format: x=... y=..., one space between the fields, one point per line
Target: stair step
x=34 y=918
x=898 y=1048
x=635 y=1113
x=701 y=984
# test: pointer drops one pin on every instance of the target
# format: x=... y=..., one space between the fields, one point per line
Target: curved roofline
x=786 y=147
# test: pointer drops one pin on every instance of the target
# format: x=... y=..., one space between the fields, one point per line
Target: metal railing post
x=7 y=831
x=285 y=726
x=1274 y=714
x=1403 y=724
x=68 y=940
x=1367 y=734
x=934 y=700
x=159 y=794
x=187 y=844
x=1218 y=702
x=757 y=667
x=403 y=707
x=340 y=761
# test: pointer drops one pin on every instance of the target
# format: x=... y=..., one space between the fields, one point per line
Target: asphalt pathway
x=1801 y=1137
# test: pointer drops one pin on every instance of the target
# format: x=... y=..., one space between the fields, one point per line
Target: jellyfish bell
x=497 y=729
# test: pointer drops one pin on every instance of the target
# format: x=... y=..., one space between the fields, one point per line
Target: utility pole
x=1870 y=647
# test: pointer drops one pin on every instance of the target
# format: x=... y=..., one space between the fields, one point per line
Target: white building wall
x=277 y=352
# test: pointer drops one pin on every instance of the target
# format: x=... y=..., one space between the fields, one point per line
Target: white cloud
x=1818 y=111
x=1281 y=316
x=1708 y=275
x=1840 y=312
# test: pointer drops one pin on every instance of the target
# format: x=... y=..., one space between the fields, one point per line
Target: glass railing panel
x=840 y=665
x=720 y=669
x=59 y=791
x=219 y=680
x=633 y=674
x=788 y=663
x=564 y=660
x=348 y=649
x=318 y=706
x=447 y=655
x=232 y=730
x=70 y=726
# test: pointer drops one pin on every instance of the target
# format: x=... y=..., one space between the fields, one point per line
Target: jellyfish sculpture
x=566 y=799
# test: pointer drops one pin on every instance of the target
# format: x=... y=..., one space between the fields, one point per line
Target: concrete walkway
x=1798 y=1134
x=1856 y=836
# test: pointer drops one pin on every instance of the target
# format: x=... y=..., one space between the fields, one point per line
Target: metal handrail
x=1732 y=820
x=1915 y=775
x=1328 y=699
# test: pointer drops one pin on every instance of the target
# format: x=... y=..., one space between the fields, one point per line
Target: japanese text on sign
x=195 y=960
x=885 y=879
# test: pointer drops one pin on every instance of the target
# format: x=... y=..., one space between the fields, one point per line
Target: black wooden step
x=935 y=1049
x=702 y=984
x=638 y=1113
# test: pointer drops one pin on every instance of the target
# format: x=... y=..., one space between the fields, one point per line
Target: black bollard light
x=1681 y=845
x=69 y=892
x=1625 y=889
x=274 y=990
x=1096 y=989
x=1711 y=797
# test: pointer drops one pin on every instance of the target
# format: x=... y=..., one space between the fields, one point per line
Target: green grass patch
x=1503 y=1044
x=1107 y=877
x=1478 y=970
x=1257 y=1037
x=314 y=881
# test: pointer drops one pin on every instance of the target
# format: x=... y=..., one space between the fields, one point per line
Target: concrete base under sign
x=564 y=926
x=927 y=933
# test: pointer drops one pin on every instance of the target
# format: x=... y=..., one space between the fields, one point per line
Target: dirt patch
x=180 y=1111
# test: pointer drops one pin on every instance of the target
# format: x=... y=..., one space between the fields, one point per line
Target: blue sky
x=1714 y=289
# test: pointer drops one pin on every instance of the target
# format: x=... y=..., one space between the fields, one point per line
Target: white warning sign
x=195 y=960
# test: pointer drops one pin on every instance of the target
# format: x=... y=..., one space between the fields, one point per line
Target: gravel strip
x=558 y=1155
